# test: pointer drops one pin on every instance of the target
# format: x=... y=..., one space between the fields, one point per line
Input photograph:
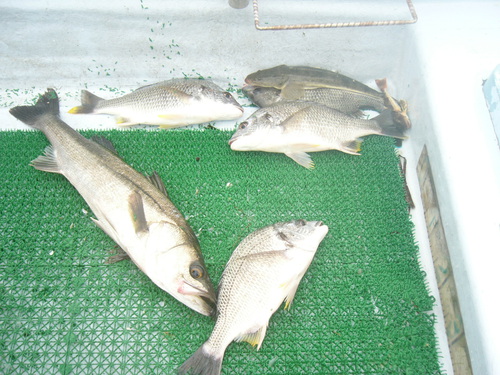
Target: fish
x=169 y=104
x=134 y=210
x=294 y=80
x=348 y=101
x=264 y=270
x=296 y=128
x=323 y=86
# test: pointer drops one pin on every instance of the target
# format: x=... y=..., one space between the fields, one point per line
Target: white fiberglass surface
x=436 y=64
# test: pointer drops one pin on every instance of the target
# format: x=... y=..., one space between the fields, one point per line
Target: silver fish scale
x=347 y=101
x=247 y=288
x=160 y=95
x=344 y=100
x=320 y=120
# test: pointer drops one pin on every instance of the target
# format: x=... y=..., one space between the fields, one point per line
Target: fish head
x=260 y=131
x=273 y=77
x=176 y=265
x=221 y=104
x=262 y=96
x=302 y=234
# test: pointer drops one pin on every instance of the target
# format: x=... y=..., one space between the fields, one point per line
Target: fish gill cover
x=362 y=308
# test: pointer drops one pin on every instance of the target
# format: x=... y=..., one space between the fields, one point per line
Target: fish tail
x=89 y=103
x=388 y=126
x=201 y=363
x=47 y=103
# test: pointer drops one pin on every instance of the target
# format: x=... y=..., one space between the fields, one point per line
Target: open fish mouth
x=206 y=295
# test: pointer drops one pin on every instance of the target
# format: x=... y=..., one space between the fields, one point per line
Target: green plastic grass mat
x=362 y=308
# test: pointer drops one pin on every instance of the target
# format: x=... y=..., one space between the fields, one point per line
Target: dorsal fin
x=156 y=180
x=104 y=142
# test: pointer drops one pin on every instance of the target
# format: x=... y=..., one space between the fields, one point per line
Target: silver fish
x=263 y=271
x=348 y=101
x=133 y=210
x=169 y=104
x=326 y=87
x=295 y=128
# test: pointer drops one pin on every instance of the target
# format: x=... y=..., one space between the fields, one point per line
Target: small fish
x=263 y=271
x=293 y=80
x=344 y=100
x=169 y=104
x=132 y=209
x=295 y=128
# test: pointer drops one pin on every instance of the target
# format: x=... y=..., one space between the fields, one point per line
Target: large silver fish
x=263 y=271
x=169 y=104
x=348 y=101
x=132 y=209
x=295 y=128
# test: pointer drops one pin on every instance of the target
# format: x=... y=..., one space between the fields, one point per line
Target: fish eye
x=243 y=125
x=228 y=95
x=196 y=271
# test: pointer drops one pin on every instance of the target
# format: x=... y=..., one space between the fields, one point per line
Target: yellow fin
x=254 y=338
x=352 y=147
x=77 y=109
x=291 y=293
x=123 y=121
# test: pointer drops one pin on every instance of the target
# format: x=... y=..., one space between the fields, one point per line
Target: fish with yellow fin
x=264 y=270
x=169 y=104
x=296 y=128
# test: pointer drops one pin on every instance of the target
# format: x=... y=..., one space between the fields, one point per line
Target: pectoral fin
x=136 y=211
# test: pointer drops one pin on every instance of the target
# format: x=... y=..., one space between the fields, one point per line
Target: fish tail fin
x=388 y=126
x=48 y=103
x=202 y=362
x=89 y=103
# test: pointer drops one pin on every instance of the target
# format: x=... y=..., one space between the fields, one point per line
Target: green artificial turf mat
x=362 y=308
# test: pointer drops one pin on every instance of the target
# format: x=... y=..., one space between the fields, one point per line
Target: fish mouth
x=206 y=297
x=232 y=140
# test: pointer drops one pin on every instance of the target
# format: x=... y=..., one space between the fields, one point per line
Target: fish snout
x=200 y=298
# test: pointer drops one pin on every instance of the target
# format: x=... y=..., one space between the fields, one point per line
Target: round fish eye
x=196 y=271
x=243 y=125
x=228 y=95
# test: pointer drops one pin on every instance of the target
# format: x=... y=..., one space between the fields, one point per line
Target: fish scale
x=169 y=104
x=296 y=127
x=347 y=101
x=132 y=209
x=264 y=270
